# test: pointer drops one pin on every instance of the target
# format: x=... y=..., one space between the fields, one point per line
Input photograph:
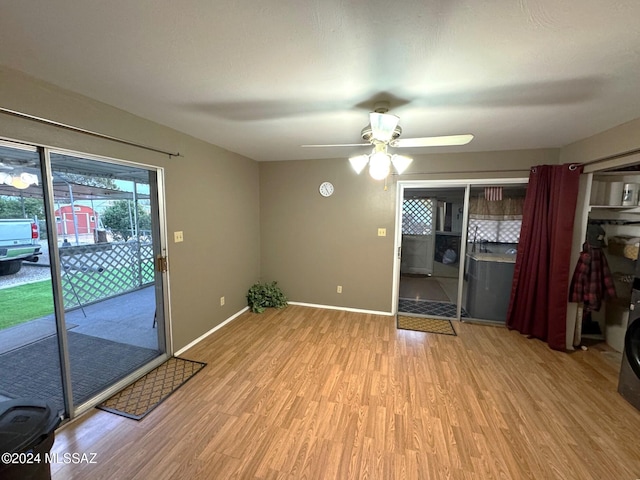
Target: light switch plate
x=382 y=232
x=178 y=237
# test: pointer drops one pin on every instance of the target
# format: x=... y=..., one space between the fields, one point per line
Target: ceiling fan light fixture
x=359 y=162
x=18 y=183
x=5 y=178
x=383 y=125
x=379 y=165
x=401 y=163
x=29 y=178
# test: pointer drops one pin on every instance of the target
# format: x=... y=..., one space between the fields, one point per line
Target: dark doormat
x=428 y=325
x=146 y=393
x=426 y=308
x=33 y=371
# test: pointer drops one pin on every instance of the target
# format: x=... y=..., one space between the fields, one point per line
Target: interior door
x=418 y=235
x=417 y=254
x=430 y=253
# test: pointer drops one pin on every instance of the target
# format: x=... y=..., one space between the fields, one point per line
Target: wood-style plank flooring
x=306 y=393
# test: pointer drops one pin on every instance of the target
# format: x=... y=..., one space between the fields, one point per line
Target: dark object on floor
x=146 y=393
x=27 y=427
x=96 y=363
x=427 y=325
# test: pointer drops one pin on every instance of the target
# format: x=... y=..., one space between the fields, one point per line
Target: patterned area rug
x=146 y=393
x=428 y=325
x=425 y=307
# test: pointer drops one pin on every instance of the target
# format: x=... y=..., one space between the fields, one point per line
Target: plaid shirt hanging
x=592 y=281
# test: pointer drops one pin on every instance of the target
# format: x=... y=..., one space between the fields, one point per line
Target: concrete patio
x=127 y=319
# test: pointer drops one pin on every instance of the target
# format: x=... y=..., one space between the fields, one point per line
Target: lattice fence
x=417 y=216
x=91 y=273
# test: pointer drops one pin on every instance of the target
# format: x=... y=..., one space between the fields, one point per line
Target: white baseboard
x=202 y=337
x=346 y=309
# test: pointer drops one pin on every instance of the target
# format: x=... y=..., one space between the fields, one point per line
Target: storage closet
x=614 y=221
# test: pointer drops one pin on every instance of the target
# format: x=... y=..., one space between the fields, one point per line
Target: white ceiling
x=262 y=78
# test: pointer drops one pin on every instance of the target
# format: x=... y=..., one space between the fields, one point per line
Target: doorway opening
x=457 y=244
x=432 y=222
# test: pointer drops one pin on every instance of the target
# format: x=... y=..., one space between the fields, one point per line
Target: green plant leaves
x=264 y=295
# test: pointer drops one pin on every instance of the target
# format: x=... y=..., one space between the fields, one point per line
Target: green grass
x=25 y=302
x=35 y=300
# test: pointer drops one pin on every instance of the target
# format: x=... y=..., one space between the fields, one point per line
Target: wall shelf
x=630 y=208
x=623 y=213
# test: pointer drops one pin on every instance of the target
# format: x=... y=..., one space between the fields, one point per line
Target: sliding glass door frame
x=404 y=185
x=161 y=285
x=56 y=279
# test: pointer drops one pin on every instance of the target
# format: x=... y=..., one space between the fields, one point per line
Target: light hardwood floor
x=305 y=393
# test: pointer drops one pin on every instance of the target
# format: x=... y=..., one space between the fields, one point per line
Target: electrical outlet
x=221 y=301
x=382 y=232
x=339 y=289
x=178 y=237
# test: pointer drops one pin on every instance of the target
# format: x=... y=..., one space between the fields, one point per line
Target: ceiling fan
x=384 y=131
x=384 y=128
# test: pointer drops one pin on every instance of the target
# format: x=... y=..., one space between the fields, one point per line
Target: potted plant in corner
x=264 y=295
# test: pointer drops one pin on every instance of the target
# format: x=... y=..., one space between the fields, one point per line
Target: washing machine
x=629 y=384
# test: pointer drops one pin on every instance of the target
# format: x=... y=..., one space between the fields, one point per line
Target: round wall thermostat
x=326 y=189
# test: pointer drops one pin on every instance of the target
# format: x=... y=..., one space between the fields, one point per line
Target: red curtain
x=539 y=294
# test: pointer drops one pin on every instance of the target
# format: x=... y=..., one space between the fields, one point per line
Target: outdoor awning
x=65 y=167
x=80 y=192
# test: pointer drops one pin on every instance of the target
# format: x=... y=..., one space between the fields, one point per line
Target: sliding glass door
x=30 y=364
x=493 y=233
x=457 y=245
x=100 y=235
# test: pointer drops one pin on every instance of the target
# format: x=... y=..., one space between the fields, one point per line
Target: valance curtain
x=539 y=293
x=509 y=208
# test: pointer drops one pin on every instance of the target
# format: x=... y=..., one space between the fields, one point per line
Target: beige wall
x=311 y=244
x=211 y=195
x=615 y=141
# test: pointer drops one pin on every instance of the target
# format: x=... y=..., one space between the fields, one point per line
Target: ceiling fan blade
x=444 y=141
x=383 y=125
x=339 y=145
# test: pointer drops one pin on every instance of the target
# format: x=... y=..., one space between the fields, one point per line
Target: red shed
x=86 y=219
